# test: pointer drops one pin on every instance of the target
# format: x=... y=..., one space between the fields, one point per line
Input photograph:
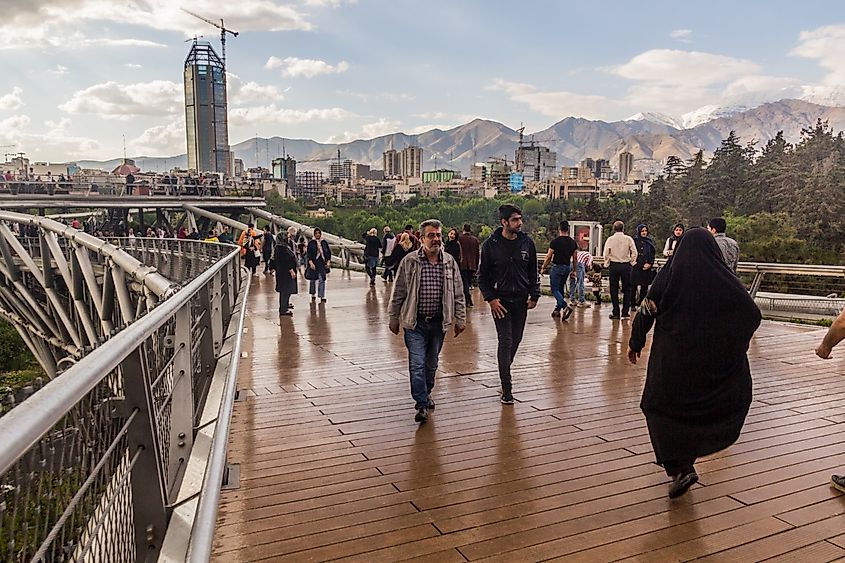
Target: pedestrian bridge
x=192 y=381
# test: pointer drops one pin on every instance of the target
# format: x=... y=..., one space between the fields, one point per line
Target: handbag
x=311 y=273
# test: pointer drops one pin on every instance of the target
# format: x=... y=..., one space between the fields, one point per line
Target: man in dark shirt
x=469 y=260
x=563 y=252
x=510 y=283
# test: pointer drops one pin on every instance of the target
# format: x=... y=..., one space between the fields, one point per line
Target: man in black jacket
x=510 y=283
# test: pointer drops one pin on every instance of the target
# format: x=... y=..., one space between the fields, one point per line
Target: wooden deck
x=334 y=467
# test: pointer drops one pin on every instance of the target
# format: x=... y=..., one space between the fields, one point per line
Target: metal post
x=755 y=285
x=148 y=497
x=182 y=402
x=207 y=356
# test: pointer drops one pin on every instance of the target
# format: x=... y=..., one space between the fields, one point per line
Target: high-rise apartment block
x=626 y=164
x=412 y=162
x=535 y=162
x=309 y=185
x=392 y=164
x=341 y=170
x=285 y=169
x=206 y=118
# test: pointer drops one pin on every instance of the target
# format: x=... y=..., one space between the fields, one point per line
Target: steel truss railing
x=67 y=292
x=93 y=466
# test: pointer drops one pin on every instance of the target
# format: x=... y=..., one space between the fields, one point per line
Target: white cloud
x=58 y=70
x=273 y=114
x=56 y=143
x=682 y=35
x=12 y=100
x=684 y=68
x=378 y=128
x=133 y=65
x=827 y=46
x=432 y=115
x=123 y=101
x=161 y=140
x=309 y=68
x=53 y=23
x=329 y=3
x=553 y=104
x=240 y=92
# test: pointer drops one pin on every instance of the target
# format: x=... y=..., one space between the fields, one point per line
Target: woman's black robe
x=698 y=388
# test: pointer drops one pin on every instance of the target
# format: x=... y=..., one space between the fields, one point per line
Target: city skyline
x=84 y=74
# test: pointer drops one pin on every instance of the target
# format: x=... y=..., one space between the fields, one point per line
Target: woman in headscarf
x=643 y=272
x=673 y=240
x=698 y=387
x=453 y=247
x=285 y=264
x=318 y=266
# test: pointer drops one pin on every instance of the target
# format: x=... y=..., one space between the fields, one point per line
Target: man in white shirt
x=620 y=254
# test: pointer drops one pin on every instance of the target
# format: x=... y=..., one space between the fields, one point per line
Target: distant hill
x=573 y=138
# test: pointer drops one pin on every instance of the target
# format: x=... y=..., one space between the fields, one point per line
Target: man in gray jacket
x=427 y=300
x=728 y=246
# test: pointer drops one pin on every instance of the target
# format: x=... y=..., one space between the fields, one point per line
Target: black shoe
x=421 y=416
x=614 y=317
x=682 y=484
x=567 y=313
x=838 y=482
x=286 y=314
x=290 y=306
x=626 y=316
x=313 y=298
x=322 y=300
x=507 y=399
x=556 y=313
x=430 y=405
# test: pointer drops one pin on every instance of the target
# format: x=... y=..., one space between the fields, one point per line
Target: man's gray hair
x=430 y=223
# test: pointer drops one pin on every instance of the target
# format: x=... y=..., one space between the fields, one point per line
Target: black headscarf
x=676 y=238
x=645 y=245
x=698 y=387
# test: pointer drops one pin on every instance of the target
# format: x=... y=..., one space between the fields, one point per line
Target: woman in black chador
x=698 y=388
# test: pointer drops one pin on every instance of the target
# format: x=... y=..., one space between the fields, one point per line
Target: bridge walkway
x=334 y=467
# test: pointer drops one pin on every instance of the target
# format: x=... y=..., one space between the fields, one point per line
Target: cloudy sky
x=82 y=75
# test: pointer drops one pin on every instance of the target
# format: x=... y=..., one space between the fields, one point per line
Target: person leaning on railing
x=835 y=335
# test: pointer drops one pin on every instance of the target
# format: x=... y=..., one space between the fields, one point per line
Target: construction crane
x=223 y=31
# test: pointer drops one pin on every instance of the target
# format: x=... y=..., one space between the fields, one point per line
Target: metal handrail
x=24 y=425
x=202 y=535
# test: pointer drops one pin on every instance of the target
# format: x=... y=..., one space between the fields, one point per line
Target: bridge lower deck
x=334 y=467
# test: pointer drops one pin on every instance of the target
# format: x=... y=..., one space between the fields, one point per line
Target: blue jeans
x=576 y=286
x=320 y=284
x=424 y=343
x=558 y=282
x=372 y=264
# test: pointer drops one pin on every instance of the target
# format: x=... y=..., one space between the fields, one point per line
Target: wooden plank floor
x=334 y=467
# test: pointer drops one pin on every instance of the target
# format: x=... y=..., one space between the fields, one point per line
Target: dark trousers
x=641 y=291
x=466 y=277
x=509 y=330
x=620 y=271
x=678 y=467
x=284 y=302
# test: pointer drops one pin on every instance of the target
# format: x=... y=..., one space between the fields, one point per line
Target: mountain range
x=646 y=136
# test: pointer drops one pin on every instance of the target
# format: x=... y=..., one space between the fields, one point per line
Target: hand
x=572 y=275
x=632 y=356
x=459 y=329
x=497 y=309
x=646 y=266
x=394 y=326
x=531 y=303
x=293 y=274
x=669 y=252
x=311 y=265
x=823 y=351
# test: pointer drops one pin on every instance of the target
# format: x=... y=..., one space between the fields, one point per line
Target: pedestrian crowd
x=698 y=388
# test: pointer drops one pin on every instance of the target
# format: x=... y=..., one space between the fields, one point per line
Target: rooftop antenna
x=124 y=148
x=221 y=27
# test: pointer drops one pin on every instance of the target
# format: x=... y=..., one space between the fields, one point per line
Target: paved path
x=333 y=465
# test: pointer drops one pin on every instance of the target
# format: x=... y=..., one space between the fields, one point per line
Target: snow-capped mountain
x=659 y=118
x=709 y=113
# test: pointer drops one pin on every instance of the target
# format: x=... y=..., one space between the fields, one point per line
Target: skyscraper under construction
x=206 y=119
